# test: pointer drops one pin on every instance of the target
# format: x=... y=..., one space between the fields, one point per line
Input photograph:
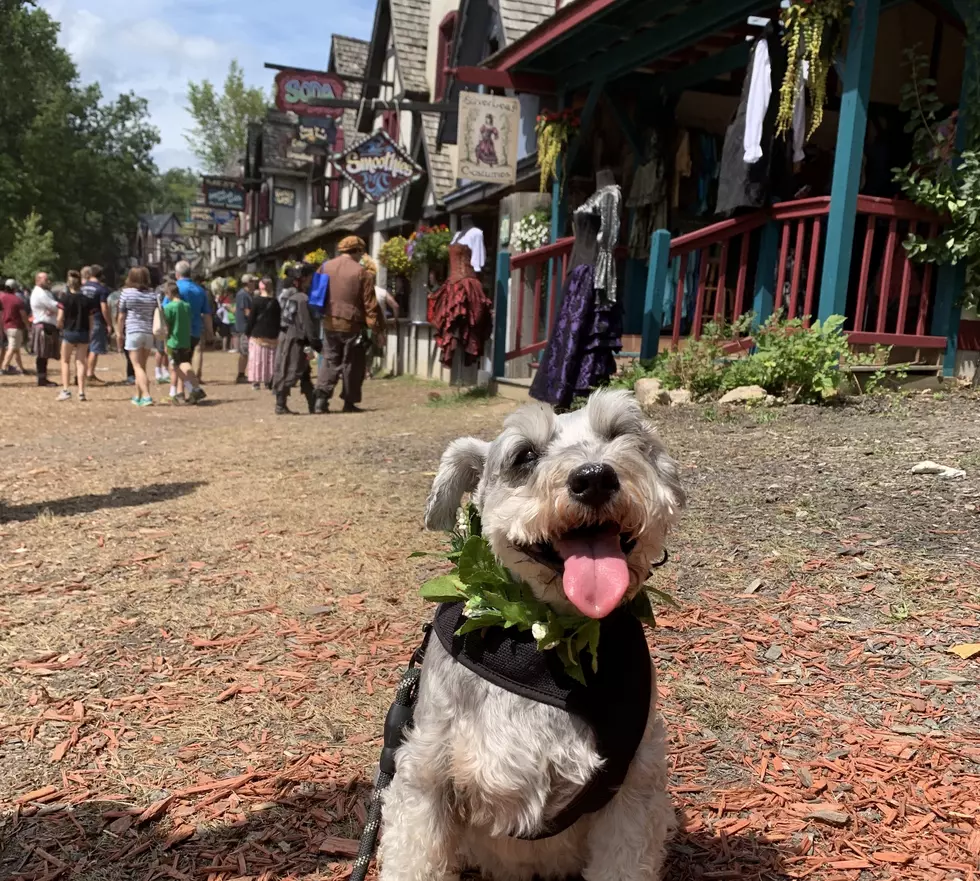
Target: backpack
x=320 y=290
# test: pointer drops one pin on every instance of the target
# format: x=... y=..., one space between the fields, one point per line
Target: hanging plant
x=394 y=256
x=554 y=130
x=430 y=245
x=812 y=34
x=531 y=232
x=316 y=258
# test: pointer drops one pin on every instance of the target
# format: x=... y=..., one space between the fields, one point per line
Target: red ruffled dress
x=461 y=312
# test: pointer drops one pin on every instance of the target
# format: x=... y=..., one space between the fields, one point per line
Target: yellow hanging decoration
x=554 y=131
x=812 y=34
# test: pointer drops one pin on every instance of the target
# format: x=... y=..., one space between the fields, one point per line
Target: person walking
x=201 y=325
x=137 y=304
x=243 y=306
x=75 y=321
x=178 y=317
x=93 y=286
x=120 y=342
x=15 y=324
x=44 y=333
x=351 y=308
x=262 y=331
x=299 y=331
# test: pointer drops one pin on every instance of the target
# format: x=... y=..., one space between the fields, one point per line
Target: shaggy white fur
x=482 y=765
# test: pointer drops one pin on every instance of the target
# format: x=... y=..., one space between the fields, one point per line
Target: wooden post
x=951 y=280
x=653 y=308
x=765 y=275
x=847 y=163
x=501 y=298
x=559 y=210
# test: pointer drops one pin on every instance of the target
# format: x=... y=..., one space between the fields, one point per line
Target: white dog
x=578 y=506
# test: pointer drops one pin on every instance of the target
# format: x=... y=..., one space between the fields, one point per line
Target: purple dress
x=581 y=351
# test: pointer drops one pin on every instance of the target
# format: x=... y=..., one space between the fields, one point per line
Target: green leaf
x=416 y=554
x=664 y=597
x=444 y=589
x=642 y=608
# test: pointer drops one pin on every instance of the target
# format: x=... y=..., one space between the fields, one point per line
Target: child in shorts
x=178 y=316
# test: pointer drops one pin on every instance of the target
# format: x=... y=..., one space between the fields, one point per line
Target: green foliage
x=219 y=135
x=940 y=177
x=175 y=191
x=82 y=163
x=32 y=251
x=790 y=360
x=494 y=598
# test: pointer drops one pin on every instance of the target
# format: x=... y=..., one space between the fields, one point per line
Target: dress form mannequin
x=605 y=178
x=472 y=236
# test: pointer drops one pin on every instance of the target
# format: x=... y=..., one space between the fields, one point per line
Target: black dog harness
x=615 y=703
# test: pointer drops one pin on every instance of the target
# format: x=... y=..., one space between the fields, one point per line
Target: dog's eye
x=525 y=459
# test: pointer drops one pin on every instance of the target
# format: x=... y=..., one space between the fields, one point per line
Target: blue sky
x=154 y=47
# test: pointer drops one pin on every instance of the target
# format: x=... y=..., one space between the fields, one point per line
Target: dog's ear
x=670 y=491
x=459 y=472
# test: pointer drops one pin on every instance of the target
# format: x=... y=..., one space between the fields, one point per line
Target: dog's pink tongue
x=596 y=574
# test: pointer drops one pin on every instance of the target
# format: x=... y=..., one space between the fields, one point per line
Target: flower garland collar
x=492 y=597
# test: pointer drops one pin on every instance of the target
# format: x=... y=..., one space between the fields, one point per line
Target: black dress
x=581 y=351
x=741 y=185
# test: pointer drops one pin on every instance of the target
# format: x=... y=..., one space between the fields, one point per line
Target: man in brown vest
x=352 y=306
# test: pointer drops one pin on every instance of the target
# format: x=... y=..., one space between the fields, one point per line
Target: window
x=444 y=53
x=389 y=123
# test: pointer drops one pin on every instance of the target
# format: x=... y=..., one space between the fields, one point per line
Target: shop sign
x=487 y=136
x=324 y=134
x=296 y=88
x=284 y=197
x=224 y=193
x=378 y=167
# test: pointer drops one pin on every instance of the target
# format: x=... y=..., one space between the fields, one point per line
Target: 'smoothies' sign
x=378 y=167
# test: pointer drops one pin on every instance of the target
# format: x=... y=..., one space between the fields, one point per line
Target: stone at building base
x=651 y=394
x=743 y=394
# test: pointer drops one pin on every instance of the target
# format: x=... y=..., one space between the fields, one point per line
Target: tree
x=175 y=191
x=32 y=251
x=219 y=135
x=84 y=164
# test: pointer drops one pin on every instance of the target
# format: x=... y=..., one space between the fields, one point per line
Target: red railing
x=894 y=294
x=714 y=275
x=533 y=269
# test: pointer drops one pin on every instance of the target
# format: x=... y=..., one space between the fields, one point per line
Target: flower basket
x=531 y=232
x=394 y=256
x=554 y=129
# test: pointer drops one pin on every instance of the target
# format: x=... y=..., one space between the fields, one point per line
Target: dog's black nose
x=593 y=484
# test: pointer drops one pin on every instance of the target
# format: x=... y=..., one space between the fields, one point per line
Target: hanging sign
x=284 y=196
x=296 y=88
x=225 y=193
x=323 y=134
x=378 y=167
x=487 y=138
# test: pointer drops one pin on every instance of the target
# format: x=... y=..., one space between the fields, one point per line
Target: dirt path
x=203 y=612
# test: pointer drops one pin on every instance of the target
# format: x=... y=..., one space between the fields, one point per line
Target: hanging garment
x=744 y=184
x=615 y=702
x=473 y=239
x=581 y=351
x=682 y=164
x=648 y=199
x=461 y=310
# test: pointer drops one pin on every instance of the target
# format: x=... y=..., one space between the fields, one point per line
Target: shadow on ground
x=118 y=497
x=300 y=836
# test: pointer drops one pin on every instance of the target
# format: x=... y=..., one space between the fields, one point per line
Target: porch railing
x=768 y=260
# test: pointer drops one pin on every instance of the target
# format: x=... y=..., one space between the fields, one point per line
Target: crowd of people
x=170 y=323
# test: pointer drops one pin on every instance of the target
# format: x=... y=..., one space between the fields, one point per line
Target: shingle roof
x=348 y=57
x=519 y=16
x=156 y=223
x=442 y=175
x=409 y=28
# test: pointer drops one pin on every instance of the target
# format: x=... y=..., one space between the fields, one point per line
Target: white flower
x=539 y=630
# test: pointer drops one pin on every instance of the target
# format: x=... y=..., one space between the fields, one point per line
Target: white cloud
x=155 y=47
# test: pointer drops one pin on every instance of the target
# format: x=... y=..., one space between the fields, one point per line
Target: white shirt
x=473 y=239
x=760 y=93
x=44 y=307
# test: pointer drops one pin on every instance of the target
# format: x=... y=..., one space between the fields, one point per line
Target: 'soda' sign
x=295 y=89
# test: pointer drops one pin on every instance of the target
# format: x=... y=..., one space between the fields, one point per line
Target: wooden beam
x=710 y=68
x=549 y=32
x=681 y=31
x=851 y=131
x=585 y=118
x=626 y=124
x=499 y=79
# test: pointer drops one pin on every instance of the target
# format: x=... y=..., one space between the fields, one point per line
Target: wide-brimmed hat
x=248 y=278
x=351 y=243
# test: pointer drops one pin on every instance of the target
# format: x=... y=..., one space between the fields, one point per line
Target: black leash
x=397 y=722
